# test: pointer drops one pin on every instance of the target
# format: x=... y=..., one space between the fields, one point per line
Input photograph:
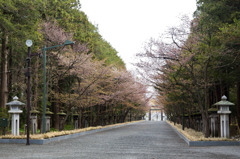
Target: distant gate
x=155 y=114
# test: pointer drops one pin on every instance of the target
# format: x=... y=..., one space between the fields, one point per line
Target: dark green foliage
x=207 y=65
x=70 y=17
x=3 y=113
x=25 y=19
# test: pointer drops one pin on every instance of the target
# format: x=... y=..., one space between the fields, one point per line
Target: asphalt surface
x=143 y=140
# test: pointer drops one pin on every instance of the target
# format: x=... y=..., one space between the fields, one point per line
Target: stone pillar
x=224 y=119
x=48 y=120
x=34 y=122
x=15 y=111
x=61 y=120
x=15 y=124
x=214 y=125
x=86 y=124
x=161 y=115
x=224 y=116
x=198 y=125
x=150 y=115
x=75 y=121
x=48 y=123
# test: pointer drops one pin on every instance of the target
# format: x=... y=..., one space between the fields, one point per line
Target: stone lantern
x=48 y=117
x=75 y=119
x=34 y=124
x=224 y=116
x=61 y=122
x=15 y=111
x=214 y=122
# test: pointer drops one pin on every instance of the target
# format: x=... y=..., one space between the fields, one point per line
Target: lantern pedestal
x=224 y=119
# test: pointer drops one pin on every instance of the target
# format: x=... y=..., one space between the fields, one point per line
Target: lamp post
x=67 y=42
x=29 y=44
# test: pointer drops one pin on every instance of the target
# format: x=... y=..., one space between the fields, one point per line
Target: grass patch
x=196 y=135
x=59 y=133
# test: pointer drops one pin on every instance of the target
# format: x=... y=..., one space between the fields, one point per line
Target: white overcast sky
x=128 y=24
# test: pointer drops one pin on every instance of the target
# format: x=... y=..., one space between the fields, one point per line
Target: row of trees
x=199 y=61
x=88 y=78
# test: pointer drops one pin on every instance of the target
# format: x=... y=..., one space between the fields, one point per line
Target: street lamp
x=67 y=42
x=29 y=44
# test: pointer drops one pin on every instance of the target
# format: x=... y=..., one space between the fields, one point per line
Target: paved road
x=144 y=140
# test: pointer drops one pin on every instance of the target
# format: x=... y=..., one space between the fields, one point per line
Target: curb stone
x=60 y=138
x=205 y=143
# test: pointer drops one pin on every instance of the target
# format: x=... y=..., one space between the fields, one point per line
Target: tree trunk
x=125 y=114
x=83 y=117
x=205 y=114
x=56 y=111
x=238 y=103
x=218 y=94
x=10 y=79
x=91 y=116
x=4 y=58
x=80 y=118
x=226 y=91
x=56 y=116
x=97 y=121
x=205 y=124
x=36 y=81
x=206 y=103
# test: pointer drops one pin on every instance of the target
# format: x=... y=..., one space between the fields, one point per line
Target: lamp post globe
x=29 y=43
